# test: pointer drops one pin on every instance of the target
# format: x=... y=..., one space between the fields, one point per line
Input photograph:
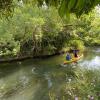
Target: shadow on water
x=7 y=69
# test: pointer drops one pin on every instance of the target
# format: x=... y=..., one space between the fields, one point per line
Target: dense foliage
x=86 y=28
x=65 y=7
x=31 y=31
x=40 y=31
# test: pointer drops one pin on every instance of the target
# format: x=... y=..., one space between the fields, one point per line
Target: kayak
x=73 y=60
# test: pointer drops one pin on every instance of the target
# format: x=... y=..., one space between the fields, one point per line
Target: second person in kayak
x=75 y=52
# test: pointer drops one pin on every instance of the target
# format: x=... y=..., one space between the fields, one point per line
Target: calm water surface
x=35 y=79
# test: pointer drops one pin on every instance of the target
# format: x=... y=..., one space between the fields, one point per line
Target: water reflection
x=47 y=77
x=97 y=50
x=93 y=63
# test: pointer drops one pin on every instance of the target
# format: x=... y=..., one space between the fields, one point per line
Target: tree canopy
x=65 y=7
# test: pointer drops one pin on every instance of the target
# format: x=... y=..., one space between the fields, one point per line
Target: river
x=42 y=79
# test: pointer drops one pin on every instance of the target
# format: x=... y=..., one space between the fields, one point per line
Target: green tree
x=65 y=7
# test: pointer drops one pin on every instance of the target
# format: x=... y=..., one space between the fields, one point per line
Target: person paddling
x=75 y=53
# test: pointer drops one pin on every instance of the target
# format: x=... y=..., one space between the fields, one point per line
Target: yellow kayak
x=73 y=60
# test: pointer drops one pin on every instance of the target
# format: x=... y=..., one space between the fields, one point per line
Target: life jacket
x=68 y=57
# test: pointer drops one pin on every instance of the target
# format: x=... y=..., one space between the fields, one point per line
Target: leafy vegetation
x=31 y=33
x=87 y=28
x=40 y=31
x=65 y=7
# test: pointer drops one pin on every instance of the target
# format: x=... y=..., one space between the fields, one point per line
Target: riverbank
x=14 y=59
x=8 y=59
